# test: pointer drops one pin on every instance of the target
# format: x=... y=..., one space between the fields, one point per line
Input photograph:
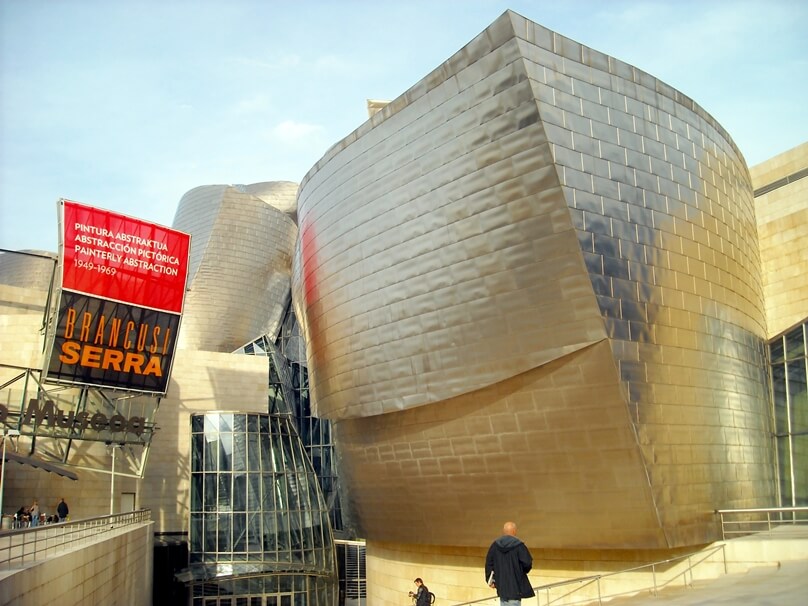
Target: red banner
x=116 y=257
x=123 y=287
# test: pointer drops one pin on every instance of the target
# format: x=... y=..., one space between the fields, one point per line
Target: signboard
x=121 y=298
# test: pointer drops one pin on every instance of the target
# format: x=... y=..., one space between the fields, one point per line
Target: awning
x=40 y=464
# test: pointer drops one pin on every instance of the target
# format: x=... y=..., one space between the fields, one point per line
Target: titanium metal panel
x=509 y=266
x=240 y=262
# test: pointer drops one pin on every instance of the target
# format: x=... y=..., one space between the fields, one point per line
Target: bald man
x=509 y=560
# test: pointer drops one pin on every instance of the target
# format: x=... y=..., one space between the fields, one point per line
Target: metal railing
x=26 y=545
x=739 y=522
x=590 y=589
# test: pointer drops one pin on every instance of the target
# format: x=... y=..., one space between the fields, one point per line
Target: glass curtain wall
x=789 y=370
x=289 y=394
x=257 y=515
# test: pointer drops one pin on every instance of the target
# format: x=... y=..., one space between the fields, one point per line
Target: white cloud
x=251 y=105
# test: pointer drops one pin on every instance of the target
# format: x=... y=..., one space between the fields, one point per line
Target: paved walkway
x=782 y=583
x=786 y=585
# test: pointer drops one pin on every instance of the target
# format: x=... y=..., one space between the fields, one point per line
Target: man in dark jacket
x=509 y=560
x=422 y=597
x=62 y=510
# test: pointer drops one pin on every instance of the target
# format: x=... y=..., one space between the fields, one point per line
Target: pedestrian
x=23 y=518
x=506 y=567
x=421 y=595
x=34 y=512
x=62 y=510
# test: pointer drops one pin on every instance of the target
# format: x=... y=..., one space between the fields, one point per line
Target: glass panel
x=239 y=423
x=253 y=453
x=239 y=457
x=795 y=344
x=270 y=532
x=197 y=452
x=197 y=423
x=226 y=452
x=211 y=423
x=209 y=502
x=196 y=532
x=224 y=501
x=777 y=351
x=239 y=492
x=209 y=535
x=281 y=499
x=799 y=446
x=254 y=533
x=797 y=395
x=784 y=462
x=266 y=453
x=780 y=398
x=252 y=423
x=211 y=452
x=268 y=502
x=239 y=532
x=254 y=492
x=197 y=486
x=224 y=542
x=225 y=422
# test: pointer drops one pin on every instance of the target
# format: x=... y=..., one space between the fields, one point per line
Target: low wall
x=115 y=571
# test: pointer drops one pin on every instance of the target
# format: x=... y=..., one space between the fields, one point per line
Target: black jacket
x=510 y=561
x=422 y=598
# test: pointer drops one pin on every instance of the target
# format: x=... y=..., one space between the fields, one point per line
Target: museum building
x=541 y=285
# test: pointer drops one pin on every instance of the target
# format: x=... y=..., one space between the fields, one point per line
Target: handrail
x=749 y=525
x=587 y=581
x=22 y=546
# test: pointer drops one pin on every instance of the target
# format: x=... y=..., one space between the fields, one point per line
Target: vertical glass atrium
x=257 y=515
x=789 y=369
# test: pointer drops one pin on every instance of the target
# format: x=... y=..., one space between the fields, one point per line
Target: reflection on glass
x=790 y=402
x=255 y=503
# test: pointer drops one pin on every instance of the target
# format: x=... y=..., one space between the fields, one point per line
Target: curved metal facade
x=238 y=284
x=531 y=288
x=31 y=269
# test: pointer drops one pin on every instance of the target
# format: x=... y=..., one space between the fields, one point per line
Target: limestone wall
x=115 y=571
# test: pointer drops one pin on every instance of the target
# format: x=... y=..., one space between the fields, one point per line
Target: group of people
x=506 y=566
x=32 y=516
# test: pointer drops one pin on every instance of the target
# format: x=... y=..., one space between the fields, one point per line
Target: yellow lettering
x=99 y=331
x=70 y=323
x=91 y=356
x=142 y=333
x=112 y=359
x=86 y=319
x=114 y=332
x=70 y=352
x=153 y=367
x=133 y=363
x=130 y=326
x=155 y=338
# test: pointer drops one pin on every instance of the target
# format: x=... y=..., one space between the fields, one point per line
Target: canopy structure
x=40 y=464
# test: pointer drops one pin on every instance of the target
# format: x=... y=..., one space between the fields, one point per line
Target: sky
x=127 y=105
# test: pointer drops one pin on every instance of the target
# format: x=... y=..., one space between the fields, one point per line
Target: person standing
x=62 y=510
x=34 y=511
x=509 y=561
x=421 y=595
